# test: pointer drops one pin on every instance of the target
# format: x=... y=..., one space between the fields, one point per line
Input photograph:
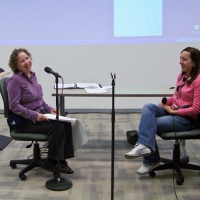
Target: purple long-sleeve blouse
x=25 y=96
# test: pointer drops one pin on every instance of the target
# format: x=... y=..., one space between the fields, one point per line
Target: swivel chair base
x=31 y=163
x=177 y=164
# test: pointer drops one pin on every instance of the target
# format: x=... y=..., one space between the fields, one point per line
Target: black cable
x=173 y=161
x=44 y=151
x=164 y=101
x=41 y=153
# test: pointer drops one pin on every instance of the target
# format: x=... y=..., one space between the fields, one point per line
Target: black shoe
x=64 y=168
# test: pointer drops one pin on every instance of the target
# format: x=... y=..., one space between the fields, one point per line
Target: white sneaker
x=137 y=151
x=145 y=169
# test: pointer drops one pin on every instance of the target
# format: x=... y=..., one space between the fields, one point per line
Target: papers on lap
x=61 y=118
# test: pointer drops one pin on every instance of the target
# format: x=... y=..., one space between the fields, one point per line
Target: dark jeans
x=60 y=133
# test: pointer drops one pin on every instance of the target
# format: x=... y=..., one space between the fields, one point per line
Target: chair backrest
x=16 y=135
x=4 y=95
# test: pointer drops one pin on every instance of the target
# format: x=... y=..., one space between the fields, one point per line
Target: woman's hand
x=41 y=118
x=168 y=109
x=53 y=111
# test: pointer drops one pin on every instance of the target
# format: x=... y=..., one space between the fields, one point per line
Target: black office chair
x=36 y=161
x=178 y=163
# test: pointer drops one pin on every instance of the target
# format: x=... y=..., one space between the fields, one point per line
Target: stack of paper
x=98 y=90
x=65 y=86
x=77 y=85
x=87 y=85
x=92 y=88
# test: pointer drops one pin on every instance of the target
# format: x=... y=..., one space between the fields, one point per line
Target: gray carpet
x=92 y=166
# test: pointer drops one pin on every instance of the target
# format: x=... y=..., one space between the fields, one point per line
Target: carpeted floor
x=92 y=166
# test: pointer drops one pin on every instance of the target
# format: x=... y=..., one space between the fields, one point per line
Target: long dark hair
x=195 y=56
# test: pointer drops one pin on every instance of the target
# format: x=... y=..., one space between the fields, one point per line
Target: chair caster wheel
x=13 y=166
x=180 y=181
x=22 y=177
x=152 y=173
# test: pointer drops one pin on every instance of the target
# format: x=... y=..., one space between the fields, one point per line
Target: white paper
x=87 y=85
x=96 y=90
x=107 y=87
x=66 y=85
x=61 y=118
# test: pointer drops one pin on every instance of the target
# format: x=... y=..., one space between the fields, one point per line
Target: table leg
x=62 y=105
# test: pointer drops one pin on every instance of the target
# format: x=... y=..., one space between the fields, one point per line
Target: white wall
x=134 y=64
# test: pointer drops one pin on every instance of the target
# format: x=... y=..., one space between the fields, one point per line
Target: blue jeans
x=155 y=120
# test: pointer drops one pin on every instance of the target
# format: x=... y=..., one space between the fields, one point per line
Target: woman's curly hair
x=13 y=58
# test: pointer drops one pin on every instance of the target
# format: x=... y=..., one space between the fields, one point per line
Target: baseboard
x=123 y=111
x=76 y=111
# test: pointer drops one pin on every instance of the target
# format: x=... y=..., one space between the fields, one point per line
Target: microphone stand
x=113 y=135
x=58 y=183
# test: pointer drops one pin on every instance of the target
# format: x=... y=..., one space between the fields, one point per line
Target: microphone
x=1 y=70
x=164 y=100
x=50 y=71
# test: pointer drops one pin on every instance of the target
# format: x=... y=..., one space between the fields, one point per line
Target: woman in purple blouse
x=25 y=98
